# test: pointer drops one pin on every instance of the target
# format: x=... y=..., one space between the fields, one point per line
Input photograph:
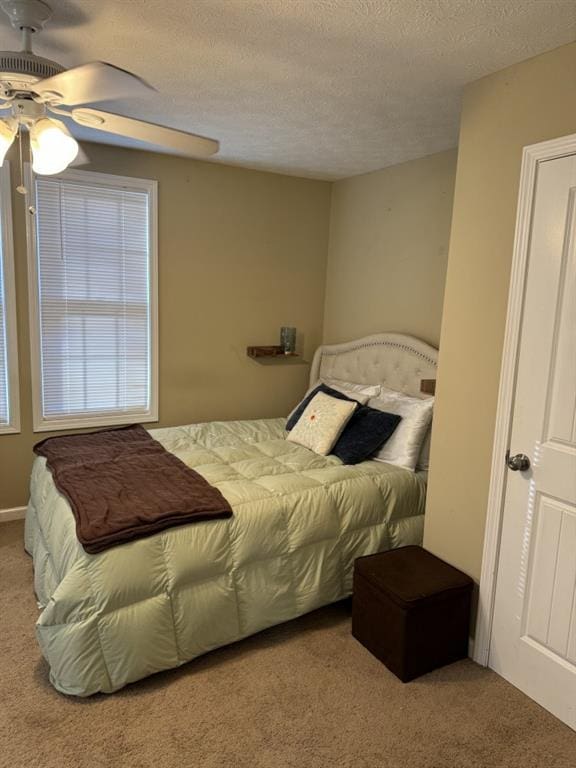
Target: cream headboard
x=395 y=360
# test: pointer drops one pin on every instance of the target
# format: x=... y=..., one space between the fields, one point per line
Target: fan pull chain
x=21 y=188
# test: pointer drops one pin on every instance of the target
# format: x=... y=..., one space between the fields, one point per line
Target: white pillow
x=424 y=457
x=403 y=448
x=321 y=423
x=355 y=390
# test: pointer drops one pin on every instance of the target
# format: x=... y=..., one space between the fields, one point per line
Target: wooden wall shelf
x=273 y=355
x=428 y=386
x=268 y=352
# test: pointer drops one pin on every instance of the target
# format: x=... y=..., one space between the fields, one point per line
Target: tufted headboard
x=395 y=360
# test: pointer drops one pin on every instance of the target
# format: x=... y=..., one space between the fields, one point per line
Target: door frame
x=532 y=156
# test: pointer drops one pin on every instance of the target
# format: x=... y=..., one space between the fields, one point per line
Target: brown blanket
x=123 y=485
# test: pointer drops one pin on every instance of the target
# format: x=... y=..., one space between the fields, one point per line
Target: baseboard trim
x=16 y=513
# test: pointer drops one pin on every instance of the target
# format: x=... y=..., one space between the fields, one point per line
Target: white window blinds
x=4 y=384
x=95 y=282
x=9 y=416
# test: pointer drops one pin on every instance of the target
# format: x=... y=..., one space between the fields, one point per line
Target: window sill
x=10 y=429
x=56 y=425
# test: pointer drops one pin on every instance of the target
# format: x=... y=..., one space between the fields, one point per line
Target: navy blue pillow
x=291 y=423
x=365 y=433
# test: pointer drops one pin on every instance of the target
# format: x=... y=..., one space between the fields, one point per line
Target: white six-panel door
x=533 y=643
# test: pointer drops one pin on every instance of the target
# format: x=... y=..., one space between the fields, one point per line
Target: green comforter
x=299 y=522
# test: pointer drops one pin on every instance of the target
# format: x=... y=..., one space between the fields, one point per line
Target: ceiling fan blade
x=180 y=141
x=89 y=83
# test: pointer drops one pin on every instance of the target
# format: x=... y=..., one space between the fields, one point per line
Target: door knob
x=518 y=463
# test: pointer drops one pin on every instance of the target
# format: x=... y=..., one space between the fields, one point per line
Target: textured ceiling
x=320 y=88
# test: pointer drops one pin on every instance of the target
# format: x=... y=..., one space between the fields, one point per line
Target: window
x=9 y=406
x=92 y=240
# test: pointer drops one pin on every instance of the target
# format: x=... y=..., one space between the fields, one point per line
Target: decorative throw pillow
x=299 y=410
x=365 y=433
x=404 y=446
x=322 y=422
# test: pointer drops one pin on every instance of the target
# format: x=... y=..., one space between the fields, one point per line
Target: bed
x=299 y=522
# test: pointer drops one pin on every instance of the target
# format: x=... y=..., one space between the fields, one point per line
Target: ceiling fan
x=32 y=89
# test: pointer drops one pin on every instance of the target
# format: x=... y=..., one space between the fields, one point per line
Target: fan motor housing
x=20 y=70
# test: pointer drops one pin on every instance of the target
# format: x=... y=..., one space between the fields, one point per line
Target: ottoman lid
x=411 y=574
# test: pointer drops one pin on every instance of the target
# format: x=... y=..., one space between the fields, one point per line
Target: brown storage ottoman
x=411 y=610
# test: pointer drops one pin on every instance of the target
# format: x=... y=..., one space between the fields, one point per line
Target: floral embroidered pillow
x=322 y=422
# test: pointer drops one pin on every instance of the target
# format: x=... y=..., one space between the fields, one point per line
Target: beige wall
x=241 y=253
x=530 y=102
x=388 y=250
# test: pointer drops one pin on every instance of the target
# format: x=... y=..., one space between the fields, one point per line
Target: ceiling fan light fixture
x=53 y=147
x=8 y=129
x=33 y=87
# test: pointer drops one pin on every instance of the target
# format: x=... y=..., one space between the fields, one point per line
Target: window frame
x=94 y=178
x=7 y=265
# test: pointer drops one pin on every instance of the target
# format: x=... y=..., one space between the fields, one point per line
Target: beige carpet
x=304 y=694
